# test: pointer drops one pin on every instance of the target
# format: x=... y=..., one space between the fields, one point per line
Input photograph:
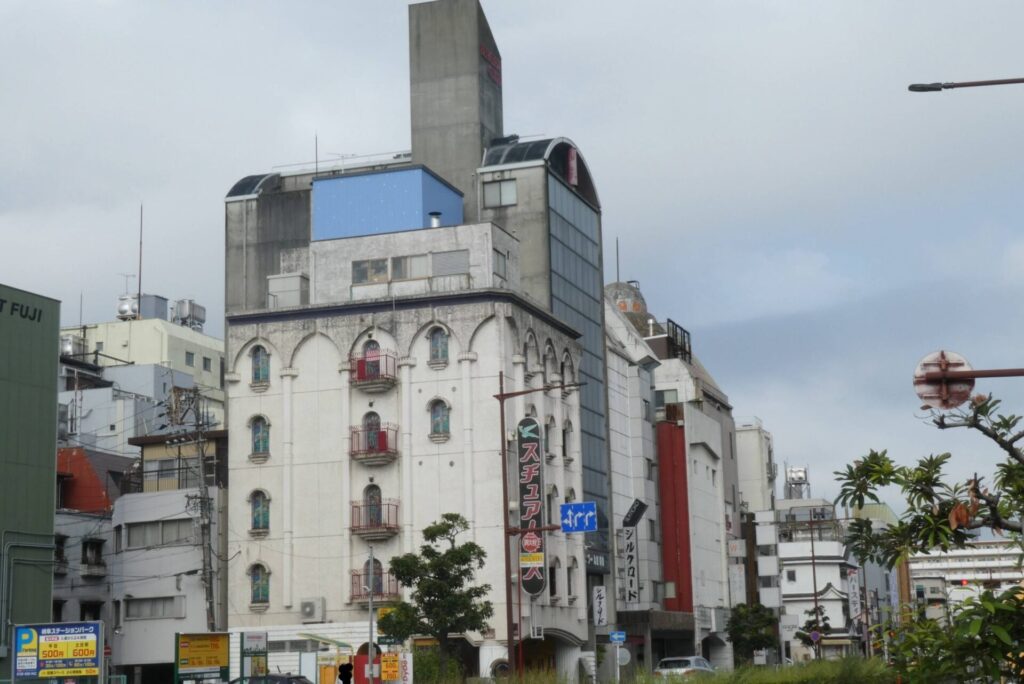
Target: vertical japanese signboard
x=632 y=563
x=70 y=649
x=202 y=656
x=531 y=507
x=600 y=604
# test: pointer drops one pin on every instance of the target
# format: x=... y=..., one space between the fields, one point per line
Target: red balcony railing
x=384 y=587
x=374 y=446
x=374 y=371
x=375 y=520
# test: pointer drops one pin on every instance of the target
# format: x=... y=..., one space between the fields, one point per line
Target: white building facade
x=362 y=411
x=993 y=565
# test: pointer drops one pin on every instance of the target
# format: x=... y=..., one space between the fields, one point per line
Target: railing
x=375 y=519
x=374 y=445
x=385 y=586
x=374 y=369
x=93 y=569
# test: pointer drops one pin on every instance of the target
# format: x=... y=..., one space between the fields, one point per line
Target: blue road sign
x=579 y=517
x=617 y=637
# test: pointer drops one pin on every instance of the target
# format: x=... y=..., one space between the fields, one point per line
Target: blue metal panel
x=374 y=203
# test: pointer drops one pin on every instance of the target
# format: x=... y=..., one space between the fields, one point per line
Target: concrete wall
x=75 y=584
x=257 y=231
x=455 y=90
x=332 y=262
x=755 y=466
x=172 y=570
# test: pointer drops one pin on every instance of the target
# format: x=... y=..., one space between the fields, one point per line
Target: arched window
x=260 y=365
x=260 y=429
x=553 y=508
x=553 y=578
x=259 y=504
x=570 y=577
x=566 y=439
x=259 y=584
x=371 y=354
x=372 y=504
x=549 y=430
x=438 y=346
x=371 y=430
x=570 y=496
x=376 y=583
x=438 y=417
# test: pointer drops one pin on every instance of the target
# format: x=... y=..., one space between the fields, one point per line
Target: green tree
x=817 y=621
x=942 y=513
x=444 y=599
x=751 y=627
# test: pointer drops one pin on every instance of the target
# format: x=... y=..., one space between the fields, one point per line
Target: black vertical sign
x=531 y=507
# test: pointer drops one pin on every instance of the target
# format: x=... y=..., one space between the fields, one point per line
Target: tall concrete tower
x=455 y=84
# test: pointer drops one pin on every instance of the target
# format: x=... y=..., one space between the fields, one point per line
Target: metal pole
x=370 y=650
x=504 y=512
x=814 y=589
x=618 y=674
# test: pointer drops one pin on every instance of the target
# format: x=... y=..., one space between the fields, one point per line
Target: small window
x=90 y=611
x=553 y=578
x=259 y=584
x=438 y=418
x=791 y=575
x=714 y=477
x=410 y=267
x=99 y=346
x=500 y=264
x=500 y=193
x=370 y=271
x=176 y=531
x=652 y=529
x=190 y=359
x=118 y=538
x=151 y=608
x=92 y=552
x=260 y=365
x=438 y=346
x=450 y=263
x=59 y=545
x=207 y=364
x=260 y=435
x=260 y=507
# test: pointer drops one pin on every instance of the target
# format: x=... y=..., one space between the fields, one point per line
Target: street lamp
x=501 y=396
x=935 y=87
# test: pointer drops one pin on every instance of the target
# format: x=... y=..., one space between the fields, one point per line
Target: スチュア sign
x=531 y=507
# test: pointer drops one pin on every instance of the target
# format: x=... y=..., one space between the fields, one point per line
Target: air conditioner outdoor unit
x=313 y=609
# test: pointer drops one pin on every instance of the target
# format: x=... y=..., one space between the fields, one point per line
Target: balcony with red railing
x=374 y=446
x=373 y=371
x=385 y=587
x=374 y=521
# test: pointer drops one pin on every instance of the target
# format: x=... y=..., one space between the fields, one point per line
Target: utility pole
x=204 y=505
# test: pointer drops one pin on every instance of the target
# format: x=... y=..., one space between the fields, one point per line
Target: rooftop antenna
x=127 y=277
x=138 y=306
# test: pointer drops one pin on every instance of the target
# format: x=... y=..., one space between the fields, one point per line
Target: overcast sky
x=776 y=189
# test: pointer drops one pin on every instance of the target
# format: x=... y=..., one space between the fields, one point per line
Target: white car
x=683 y=666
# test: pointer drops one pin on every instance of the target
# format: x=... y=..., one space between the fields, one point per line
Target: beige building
x=153 y=341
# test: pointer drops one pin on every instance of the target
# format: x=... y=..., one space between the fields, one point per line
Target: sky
x=774 y=186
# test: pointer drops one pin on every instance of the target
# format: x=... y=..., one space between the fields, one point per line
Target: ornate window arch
x=438 y=338
x=259 y=430
x=376 y=583
x=260 y=365
x=259 y=509
x=440 y=418
x=259 y=583
x=373 y=505
x=371 y=356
